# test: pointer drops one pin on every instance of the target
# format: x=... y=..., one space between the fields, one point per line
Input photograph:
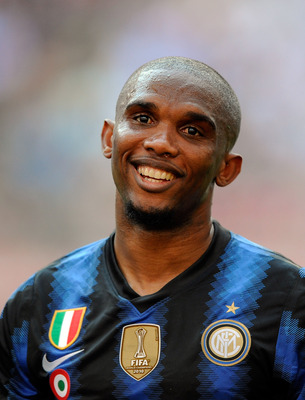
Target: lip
x=155 y=185
x=166 y=166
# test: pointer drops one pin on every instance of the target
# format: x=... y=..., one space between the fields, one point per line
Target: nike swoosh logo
x=48 y=366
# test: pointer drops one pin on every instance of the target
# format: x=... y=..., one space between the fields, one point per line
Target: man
x=172 y=305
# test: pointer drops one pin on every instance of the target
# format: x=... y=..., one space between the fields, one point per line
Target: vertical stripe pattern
x=65 y=327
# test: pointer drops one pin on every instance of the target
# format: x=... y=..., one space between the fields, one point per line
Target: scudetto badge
x=140 y=349
x=226 y=342
x=65 y=327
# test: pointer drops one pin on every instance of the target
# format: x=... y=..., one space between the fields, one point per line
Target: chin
x=153 y=219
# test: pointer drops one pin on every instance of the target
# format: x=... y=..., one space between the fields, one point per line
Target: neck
x=150 y=259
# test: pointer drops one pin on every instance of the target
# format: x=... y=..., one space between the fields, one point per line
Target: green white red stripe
x=65 y=327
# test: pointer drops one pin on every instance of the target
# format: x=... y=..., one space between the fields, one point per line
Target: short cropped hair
x=228 y=104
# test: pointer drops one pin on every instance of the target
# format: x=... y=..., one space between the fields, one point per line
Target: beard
x=155 y=219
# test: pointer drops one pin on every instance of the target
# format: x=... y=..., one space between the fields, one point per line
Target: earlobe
x=106 y=137
x=229 y=170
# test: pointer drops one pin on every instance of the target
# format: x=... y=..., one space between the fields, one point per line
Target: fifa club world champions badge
x=140 y=349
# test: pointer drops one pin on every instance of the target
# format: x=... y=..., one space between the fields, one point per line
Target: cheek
x=204 y=161
x=116 y=164
x=119 y=161
x=119 y=148
x=204 y=171
x=125 y=140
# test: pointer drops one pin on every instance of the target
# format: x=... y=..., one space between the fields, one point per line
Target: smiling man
x=169 y=145
x=171 y=305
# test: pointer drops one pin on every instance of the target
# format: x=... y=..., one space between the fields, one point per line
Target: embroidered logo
x=65 y=327
x=226 y=342
x=140 y=349
x=232 y=308
x=48 y=366
x=60 y=384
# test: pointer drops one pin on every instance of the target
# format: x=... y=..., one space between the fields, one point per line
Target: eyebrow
x=201 y=117
x=147 y=105
x=195 y=116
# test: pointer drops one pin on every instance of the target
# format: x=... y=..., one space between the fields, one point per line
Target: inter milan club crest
x=60 y=384
x=65 y=327
x=226 y=342
x=140 y=349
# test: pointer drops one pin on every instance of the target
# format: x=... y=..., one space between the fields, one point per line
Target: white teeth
x=155 y=174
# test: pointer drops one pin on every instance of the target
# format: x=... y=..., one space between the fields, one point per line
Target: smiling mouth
x=155 y=174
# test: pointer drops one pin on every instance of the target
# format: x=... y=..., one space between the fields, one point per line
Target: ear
x=229 y=169
x=107 y=133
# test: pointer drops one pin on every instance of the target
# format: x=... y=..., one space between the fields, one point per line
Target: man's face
x=167 y=144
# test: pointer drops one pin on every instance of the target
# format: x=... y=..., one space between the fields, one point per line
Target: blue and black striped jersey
x=231 y=326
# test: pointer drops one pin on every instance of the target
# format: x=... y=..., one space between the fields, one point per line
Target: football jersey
x=231 y=326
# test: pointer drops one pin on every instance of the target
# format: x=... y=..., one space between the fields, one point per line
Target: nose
x=163 y=142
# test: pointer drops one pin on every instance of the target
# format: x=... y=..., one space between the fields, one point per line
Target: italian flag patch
x=65 y=327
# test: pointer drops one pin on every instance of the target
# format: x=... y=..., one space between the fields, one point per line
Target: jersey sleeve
x=289 y=365
x=15 y=380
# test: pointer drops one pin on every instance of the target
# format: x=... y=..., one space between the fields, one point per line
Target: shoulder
x=74 y=261
x=243 y=246
x=272 y=266
x=69 y=272
x=85 y=255
x=250 y=259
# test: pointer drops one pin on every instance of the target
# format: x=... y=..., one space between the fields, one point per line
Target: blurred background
x=62 y=65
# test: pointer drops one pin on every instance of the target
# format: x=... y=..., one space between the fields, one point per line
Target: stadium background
x=62 y=65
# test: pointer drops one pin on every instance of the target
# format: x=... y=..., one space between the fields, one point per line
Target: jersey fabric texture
x=231 y=326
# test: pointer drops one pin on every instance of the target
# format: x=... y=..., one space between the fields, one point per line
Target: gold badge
x=140 y=349
x=226 y=342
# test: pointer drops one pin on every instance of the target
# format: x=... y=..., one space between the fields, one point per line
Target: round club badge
x=60 y=384
x=226 y=342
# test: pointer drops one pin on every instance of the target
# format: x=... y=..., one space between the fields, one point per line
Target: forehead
x=174 y=86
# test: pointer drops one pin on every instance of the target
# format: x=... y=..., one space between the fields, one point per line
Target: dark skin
x=168 y=150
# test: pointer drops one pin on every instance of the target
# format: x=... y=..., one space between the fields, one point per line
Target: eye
x=190 y=130
x=143 y=119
